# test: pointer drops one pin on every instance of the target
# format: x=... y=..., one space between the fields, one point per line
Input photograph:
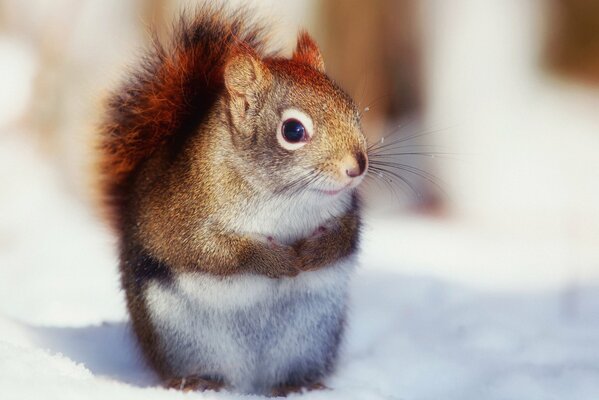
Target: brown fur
x=308 y=53
x=163 y=100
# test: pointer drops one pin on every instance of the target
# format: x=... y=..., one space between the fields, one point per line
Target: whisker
x=428 y=154
x=379 y=146
x=312 y=180
x=384 y=170
x=376 y=100
x=316 y=177
x=413 y=170
x=421 y=145
x=364 y=86
x=379 y=176
x=396 y=129
x=297 y=183
x=406 y=167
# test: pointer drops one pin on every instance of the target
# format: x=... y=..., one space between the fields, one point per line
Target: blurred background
x=499 y=98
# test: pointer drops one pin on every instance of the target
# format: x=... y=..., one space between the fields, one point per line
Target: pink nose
x=358 y=166
x=353 y=172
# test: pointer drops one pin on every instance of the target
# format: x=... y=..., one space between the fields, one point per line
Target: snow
x=419 y=328
x=17 y=67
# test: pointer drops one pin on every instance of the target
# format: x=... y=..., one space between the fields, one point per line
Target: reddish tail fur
x=168 y=95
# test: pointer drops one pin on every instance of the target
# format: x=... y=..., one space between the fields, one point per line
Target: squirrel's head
x=292 y=124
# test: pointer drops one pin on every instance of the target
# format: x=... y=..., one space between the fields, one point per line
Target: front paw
x=285 y=261
x=321 y=230
x=268 y=240
x=273 y=242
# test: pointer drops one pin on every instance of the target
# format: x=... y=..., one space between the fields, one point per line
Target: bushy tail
x=168 y=94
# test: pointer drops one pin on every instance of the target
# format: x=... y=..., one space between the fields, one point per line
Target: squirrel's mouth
x=334 y=192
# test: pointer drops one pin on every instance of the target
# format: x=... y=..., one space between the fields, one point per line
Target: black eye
x=293 y=131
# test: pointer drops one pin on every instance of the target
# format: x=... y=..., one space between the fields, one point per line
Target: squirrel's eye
x=293 y=131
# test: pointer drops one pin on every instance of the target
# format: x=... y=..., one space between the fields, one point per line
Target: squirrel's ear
x=245 y=74
x=307 y=52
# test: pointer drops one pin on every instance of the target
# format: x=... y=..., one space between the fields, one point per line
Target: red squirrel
x=229 y=175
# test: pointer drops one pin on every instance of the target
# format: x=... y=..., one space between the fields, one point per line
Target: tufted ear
x=307 y=52
x=245 y=73
x=245 y=76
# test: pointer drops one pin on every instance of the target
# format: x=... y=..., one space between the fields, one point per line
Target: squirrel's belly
x=254 y=332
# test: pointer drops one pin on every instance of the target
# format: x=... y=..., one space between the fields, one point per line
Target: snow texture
x=64 y=333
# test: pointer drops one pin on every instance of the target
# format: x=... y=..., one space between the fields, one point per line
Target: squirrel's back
x=168 y=95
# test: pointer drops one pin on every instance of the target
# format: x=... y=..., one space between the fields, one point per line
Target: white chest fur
x=288 y=220
x=254 y=332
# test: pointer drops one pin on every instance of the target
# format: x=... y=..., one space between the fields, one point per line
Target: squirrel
x=229 y=175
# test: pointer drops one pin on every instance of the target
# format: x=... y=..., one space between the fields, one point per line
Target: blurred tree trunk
x=372 y=49
x=572 y=46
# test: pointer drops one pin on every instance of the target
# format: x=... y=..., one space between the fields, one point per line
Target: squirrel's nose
x=356 y=165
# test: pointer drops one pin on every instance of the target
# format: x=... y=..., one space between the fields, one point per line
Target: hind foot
x=194 y=383
x=284 y=390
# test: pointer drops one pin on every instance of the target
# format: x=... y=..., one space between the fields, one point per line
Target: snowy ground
x=417 y=331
